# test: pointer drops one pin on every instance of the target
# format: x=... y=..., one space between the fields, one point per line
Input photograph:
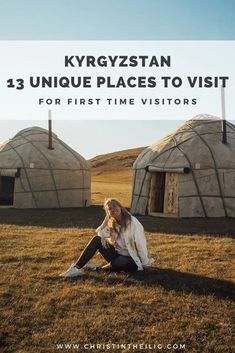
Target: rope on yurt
x=177 y=145
x=170 y=148
x=216 y=171
x=26 y=174
x=81 y=167
x=189 y=124
x=168 y=157
x=143 y=153
x=72 y=152
x=194 y=178
x=231 y=126
x=143 y=180
x=50 y=168
x=62 y=189
x=8 y=149
x=139 y=195
x=133 y=187
x=19 y=137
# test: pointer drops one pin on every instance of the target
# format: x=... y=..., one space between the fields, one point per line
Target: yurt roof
x=197 y=142
x=31 y=146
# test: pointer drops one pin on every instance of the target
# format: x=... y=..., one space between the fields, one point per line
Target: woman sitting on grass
x=120 y=240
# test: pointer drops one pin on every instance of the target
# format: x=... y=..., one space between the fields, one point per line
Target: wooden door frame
x=152 y=195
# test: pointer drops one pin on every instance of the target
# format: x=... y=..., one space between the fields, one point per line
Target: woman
x=120 y=240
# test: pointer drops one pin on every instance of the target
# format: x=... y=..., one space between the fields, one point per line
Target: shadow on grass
x=170 y=280
x=190 y=226
x=91 y=217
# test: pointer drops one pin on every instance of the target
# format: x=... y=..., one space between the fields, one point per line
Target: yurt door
x=171 y=194
x=164 y=194
x=157 y=192
x=6 y=190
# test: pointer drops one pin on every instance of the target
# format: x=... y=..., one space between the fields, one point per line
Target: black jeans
x=118 y=262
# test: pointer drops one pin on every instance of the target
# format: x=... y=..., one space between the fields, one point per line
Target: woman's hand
x=104 y=243
x=104 y=234
x=150 y=262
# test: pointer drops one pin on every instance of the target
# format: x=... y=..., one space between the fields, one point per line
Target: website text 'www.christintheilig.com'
x=120 y=346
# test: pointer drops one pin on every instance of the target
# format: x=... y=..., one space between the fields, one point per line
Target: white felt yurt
x=35 y=174
x=189 y=173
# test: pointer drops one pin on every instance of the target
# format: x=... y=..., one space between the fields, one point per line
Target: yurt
x=189 y=173
x=38 y=170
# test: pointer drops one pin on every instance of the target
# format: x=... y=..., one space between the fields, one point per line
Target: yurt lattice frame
x=35 y=176
x=189 y=173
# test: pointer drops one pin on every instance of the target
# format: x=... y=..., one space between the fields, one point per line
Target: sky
x=112 y=20
x=117 y=19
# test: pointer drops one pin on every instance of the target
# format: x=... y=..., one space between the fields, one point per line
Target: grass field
x=111 y=184
x=183 y=304
x=112 y=176
x=185 y=299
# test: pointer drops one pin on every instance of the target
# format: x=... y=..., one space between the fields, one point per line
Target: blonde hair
x=113 y=225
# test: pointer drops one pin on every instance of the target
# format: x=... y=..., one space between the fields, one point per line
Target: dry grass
x=186 y=298
x=112 y=175
x=109 y=184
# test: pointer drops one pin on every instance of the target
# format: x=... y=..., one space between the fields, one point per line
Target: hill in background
x=112 y=175
x=115 y=161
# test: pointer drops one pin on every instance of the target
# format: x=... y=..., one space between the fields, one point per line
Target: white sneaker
x=72 y=272
x=93 y=267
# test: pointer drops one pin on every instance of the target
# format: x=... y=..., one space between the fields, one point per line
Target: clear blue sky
x=92 y=138
x=117 y=19
x=112 y=20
